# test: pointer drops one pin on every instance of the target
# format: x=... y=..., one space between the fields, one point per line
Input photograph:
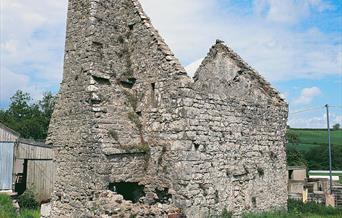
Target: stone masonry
x=128 y=113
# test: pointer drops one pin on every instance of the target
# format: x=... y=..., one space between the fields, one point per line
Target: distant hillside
x=312 y=145
x=318 y=136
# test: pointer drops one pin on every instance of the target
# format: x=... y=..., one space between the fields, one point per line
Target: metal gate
x=6 y=165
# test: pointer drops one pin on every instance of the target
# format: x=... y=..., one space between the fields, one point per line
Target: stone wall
x=110 y=204
x=127 y=112
x=224 y=154
x=71 y=123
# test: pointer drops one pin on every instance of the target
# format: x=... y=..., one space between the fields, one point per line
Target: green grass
x=302 y=147
x=8 y=211
x=289 y=215
x=297 y=209
x=320 y=137
x=311 y=144
x=6 y=208
x=29 y=214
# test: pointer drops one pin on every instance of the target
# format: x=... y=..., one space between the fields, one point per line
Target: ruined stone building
x=129 y=118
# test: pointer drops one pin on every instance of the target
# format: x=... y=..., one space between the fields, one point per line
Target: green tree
x=31 y=120
x=18 y=112
x=318 y=158
x=46 y=106
x=295 y=158
x=292 y=137
x=336 y=126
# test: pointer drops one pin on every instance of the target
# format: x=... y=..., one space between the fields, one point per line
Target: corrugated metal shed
x=6 y=165
x=7 y=139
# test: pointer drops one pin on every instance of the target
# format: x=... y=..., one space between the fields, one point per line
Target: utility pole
x=329 y=142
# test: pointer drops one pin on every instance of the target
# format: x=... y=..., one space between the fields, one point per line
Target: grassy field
x=7 y=210
x=318 y=137
x=297 y=209
x=302 y=147
x=313 y=150
x=311 y=138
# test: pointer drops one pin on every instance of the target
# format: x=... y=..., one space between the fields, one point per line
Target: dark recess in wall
x=131 y=191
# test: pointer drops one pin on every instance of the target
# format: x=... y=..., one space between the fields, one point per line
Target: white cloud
x=31 y=45
x=192 y=68
x=337 y=119
x=9 y=46
x=33 y=32
x=307 y=121
x=288 y=11
x=275 y=50
x=10 y=82
x=189 y=27
x=310 y=122
x=284 y=96
x=307 y=95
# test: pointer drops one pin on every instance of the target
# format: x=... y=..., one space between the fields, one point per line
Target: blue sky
x=295 y=44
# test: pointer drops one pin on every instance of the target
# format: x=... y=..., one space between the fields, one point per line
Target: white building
x=324 y=174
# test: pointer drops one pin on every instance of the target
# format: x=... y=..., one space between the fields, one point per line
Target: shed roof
x=9 y=130
x=296 y=167
x=34 y=143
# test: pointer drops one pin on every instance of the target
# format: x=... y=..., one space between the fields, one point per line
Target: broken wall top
x=225 y=73
x=130 y=45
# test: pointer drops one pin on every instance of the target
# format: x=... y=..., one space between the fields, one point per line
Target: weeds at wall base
x=8 y=211
x=297 y=209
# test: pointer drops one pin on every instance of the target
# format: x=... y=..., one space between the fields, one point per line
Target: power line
x=314 y=108
x=335 y=106
x=308 y=109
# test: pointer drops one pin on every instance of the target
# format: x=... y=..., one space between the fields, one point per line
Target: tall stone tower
x=128 y=116
x=113 y=61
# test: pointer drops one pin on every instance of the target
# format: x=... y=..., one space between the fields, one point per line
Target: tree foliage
x=295 y=158
x=28 y=200
x=31 y=120
x=292 y=137
x=318 y=157
x=336 y=126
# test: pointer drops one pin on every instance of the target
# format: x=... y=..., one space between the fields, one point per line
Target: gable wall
x=223 y=72
x=222 y=153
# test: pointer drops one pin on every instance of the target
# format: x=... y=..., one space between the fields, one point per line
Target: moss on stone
x=132 y=116
x=132 y=100
x=144 y=147
x=112 y=133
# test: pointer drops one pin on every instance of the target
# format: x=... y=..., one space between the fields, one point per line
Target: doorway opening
x=20 y=180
